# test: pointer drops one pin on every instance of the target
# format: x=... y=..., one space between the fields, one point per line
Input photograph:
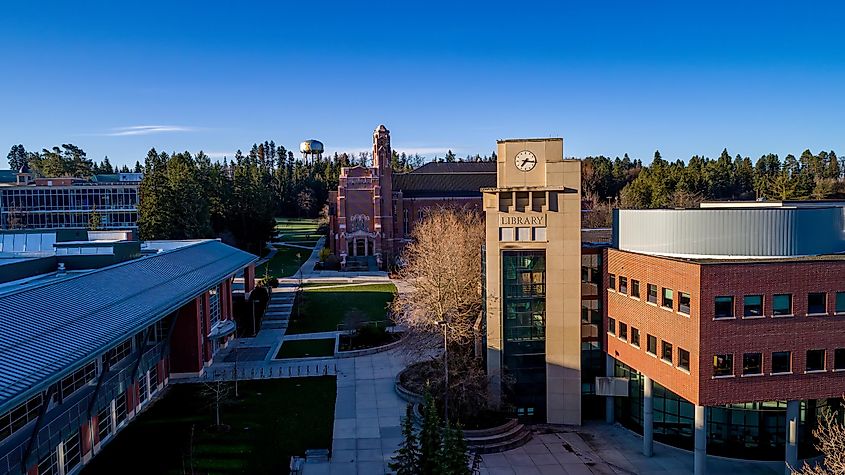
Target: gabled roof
x=457 y=167
x=50 y=330
x=446 y=179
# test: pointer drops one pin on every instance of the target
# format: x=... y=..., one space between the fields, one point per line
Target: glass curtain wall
x=524 y=321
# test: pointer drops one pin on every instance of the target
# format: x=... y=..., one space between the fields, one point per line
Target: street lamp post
x=445 y=325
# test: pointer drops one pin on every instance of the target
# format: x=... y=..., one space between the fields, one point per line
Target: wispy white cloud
x=220 y=155
x=148 y=130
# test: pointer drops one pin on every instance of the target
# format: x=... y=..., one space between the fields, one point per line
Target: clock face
x=525 y=160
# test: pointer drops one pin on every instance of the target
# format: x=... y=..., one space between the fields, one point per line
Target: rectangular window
x=752 y=306
x=623 y=285
x=652 y=293
x=723 y=307
x=72 y=455
x=78 y=378
x=668 y=299
x=815 y=360
x=611 y=282
x=104 y=422
x=782 y=305
x=781 y=362
x=683 y=359
x=752 y=363
x=839 y=359
x=816 y=303
x=666 y=351
x=623 y=331
x=651 y=344
x=120 y=411
x=118 y=353
x=683 y=302
x=840 y=302
x=723 y=365
x=635 y=289
x=635 y=337
x=611 y=326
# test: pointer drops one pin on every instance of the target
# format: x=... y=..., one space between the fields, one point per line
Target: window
x=723 y=307
x=815 y=360
x=611 y=326
x=816 y=303
x=839 y=359
x=72 y=456
x=104 y=422
x=611 y=283
x=651 y=344
x=781 y=362
x=142 y=388
x=723 y=365
x=635 y=337
x=752 y=363
x=118 y=353
x=623 y=285
x=683 y=359
x=668 y=299
x=120 y=411
x=635 y=289
x=666 y=351
x=79 y=378
x=652 y=293
x=782 y=304
x=19 y=416
x=623 y=331
x=840 y=302
x=752 y=306
x=683 y=302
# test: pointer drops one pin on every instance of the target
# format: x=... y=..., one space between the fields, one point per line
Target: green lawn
x=284 y=263
x=306 y=348
x=297 y=230
x=272 y=420
x=325 y=309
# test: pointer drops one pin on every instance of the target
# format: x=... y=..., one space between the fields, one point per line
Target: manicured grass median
x=324 y=309
x=284 y=263
x=306 y=348
x=297 y=230
x=272 y=420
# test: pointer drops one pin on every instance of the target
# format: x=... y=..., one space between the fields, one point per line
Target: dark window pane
x=723 y=365
x=683 y=359
x=816 y=302
x=752 y=306
x=611 y=283
x=683 y=302
x=611 y=326
x=635 y=289
x=623 y=284
x=782 y=362
x=666 y=351
x=652 y=293
x=839 y=358
x=840 y=302
x=724 y=307
x=651 y=344
x=635 y=337
x=815 y=360
x=623 y=331
x=782 y=304
x=752 y=363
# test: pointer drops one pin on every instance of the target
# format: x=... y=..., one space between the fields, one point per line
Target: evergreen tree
x=453 y=457
x=17 y=157
x=429 y=437
x=138 y=167
x=450 y=157
x=406 y=460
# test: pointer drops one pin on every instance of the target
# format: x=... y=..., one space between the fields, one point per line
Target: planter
x=367 y=351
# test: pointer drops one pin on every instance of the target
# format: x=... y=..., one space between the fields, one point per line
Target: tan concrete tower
x=533 y=289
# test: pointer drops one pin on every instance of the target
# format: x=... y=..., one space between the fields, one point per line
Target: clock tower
x=533 y=281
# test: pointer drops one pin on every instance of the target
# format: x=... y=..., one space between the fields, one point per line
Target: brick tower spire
x=384 y=193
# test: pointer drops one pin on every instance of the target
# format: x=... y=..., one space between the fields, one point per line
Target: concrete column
x=609 y=416
x=792 y=414
x=700 y=465
x=648 y=417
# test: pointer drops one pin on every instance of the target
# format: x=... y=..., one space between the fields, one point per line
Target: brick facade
x=704 y=336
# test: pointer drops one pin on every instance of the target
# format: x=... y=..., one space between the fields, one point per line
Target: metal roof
x=50 y=330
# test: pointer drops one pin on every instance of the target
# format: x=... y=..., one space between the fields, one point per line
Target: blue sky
x=117 y=78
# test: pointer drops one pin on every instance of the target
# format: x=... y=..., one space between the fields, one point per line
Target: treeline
x=65 y=161
x=628 y=183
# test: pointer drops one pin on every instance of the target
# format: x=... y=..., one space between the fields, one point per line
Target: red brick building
x=373 y=211
x=729 y=322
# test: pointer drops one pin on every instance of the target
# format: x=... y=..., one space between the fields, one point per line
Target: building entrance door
x=361 y=247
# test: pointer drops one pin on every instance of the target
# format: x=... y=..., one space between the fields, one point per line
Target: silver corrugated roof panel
x=50 y=330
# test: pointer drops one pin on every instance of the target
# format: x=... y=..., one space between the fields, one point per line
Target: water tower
x=311 y=149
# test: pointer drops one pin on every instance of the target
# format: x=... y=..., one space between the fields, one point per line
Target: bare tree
x=442 y=302
x=831 y=443
x=217 y=393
